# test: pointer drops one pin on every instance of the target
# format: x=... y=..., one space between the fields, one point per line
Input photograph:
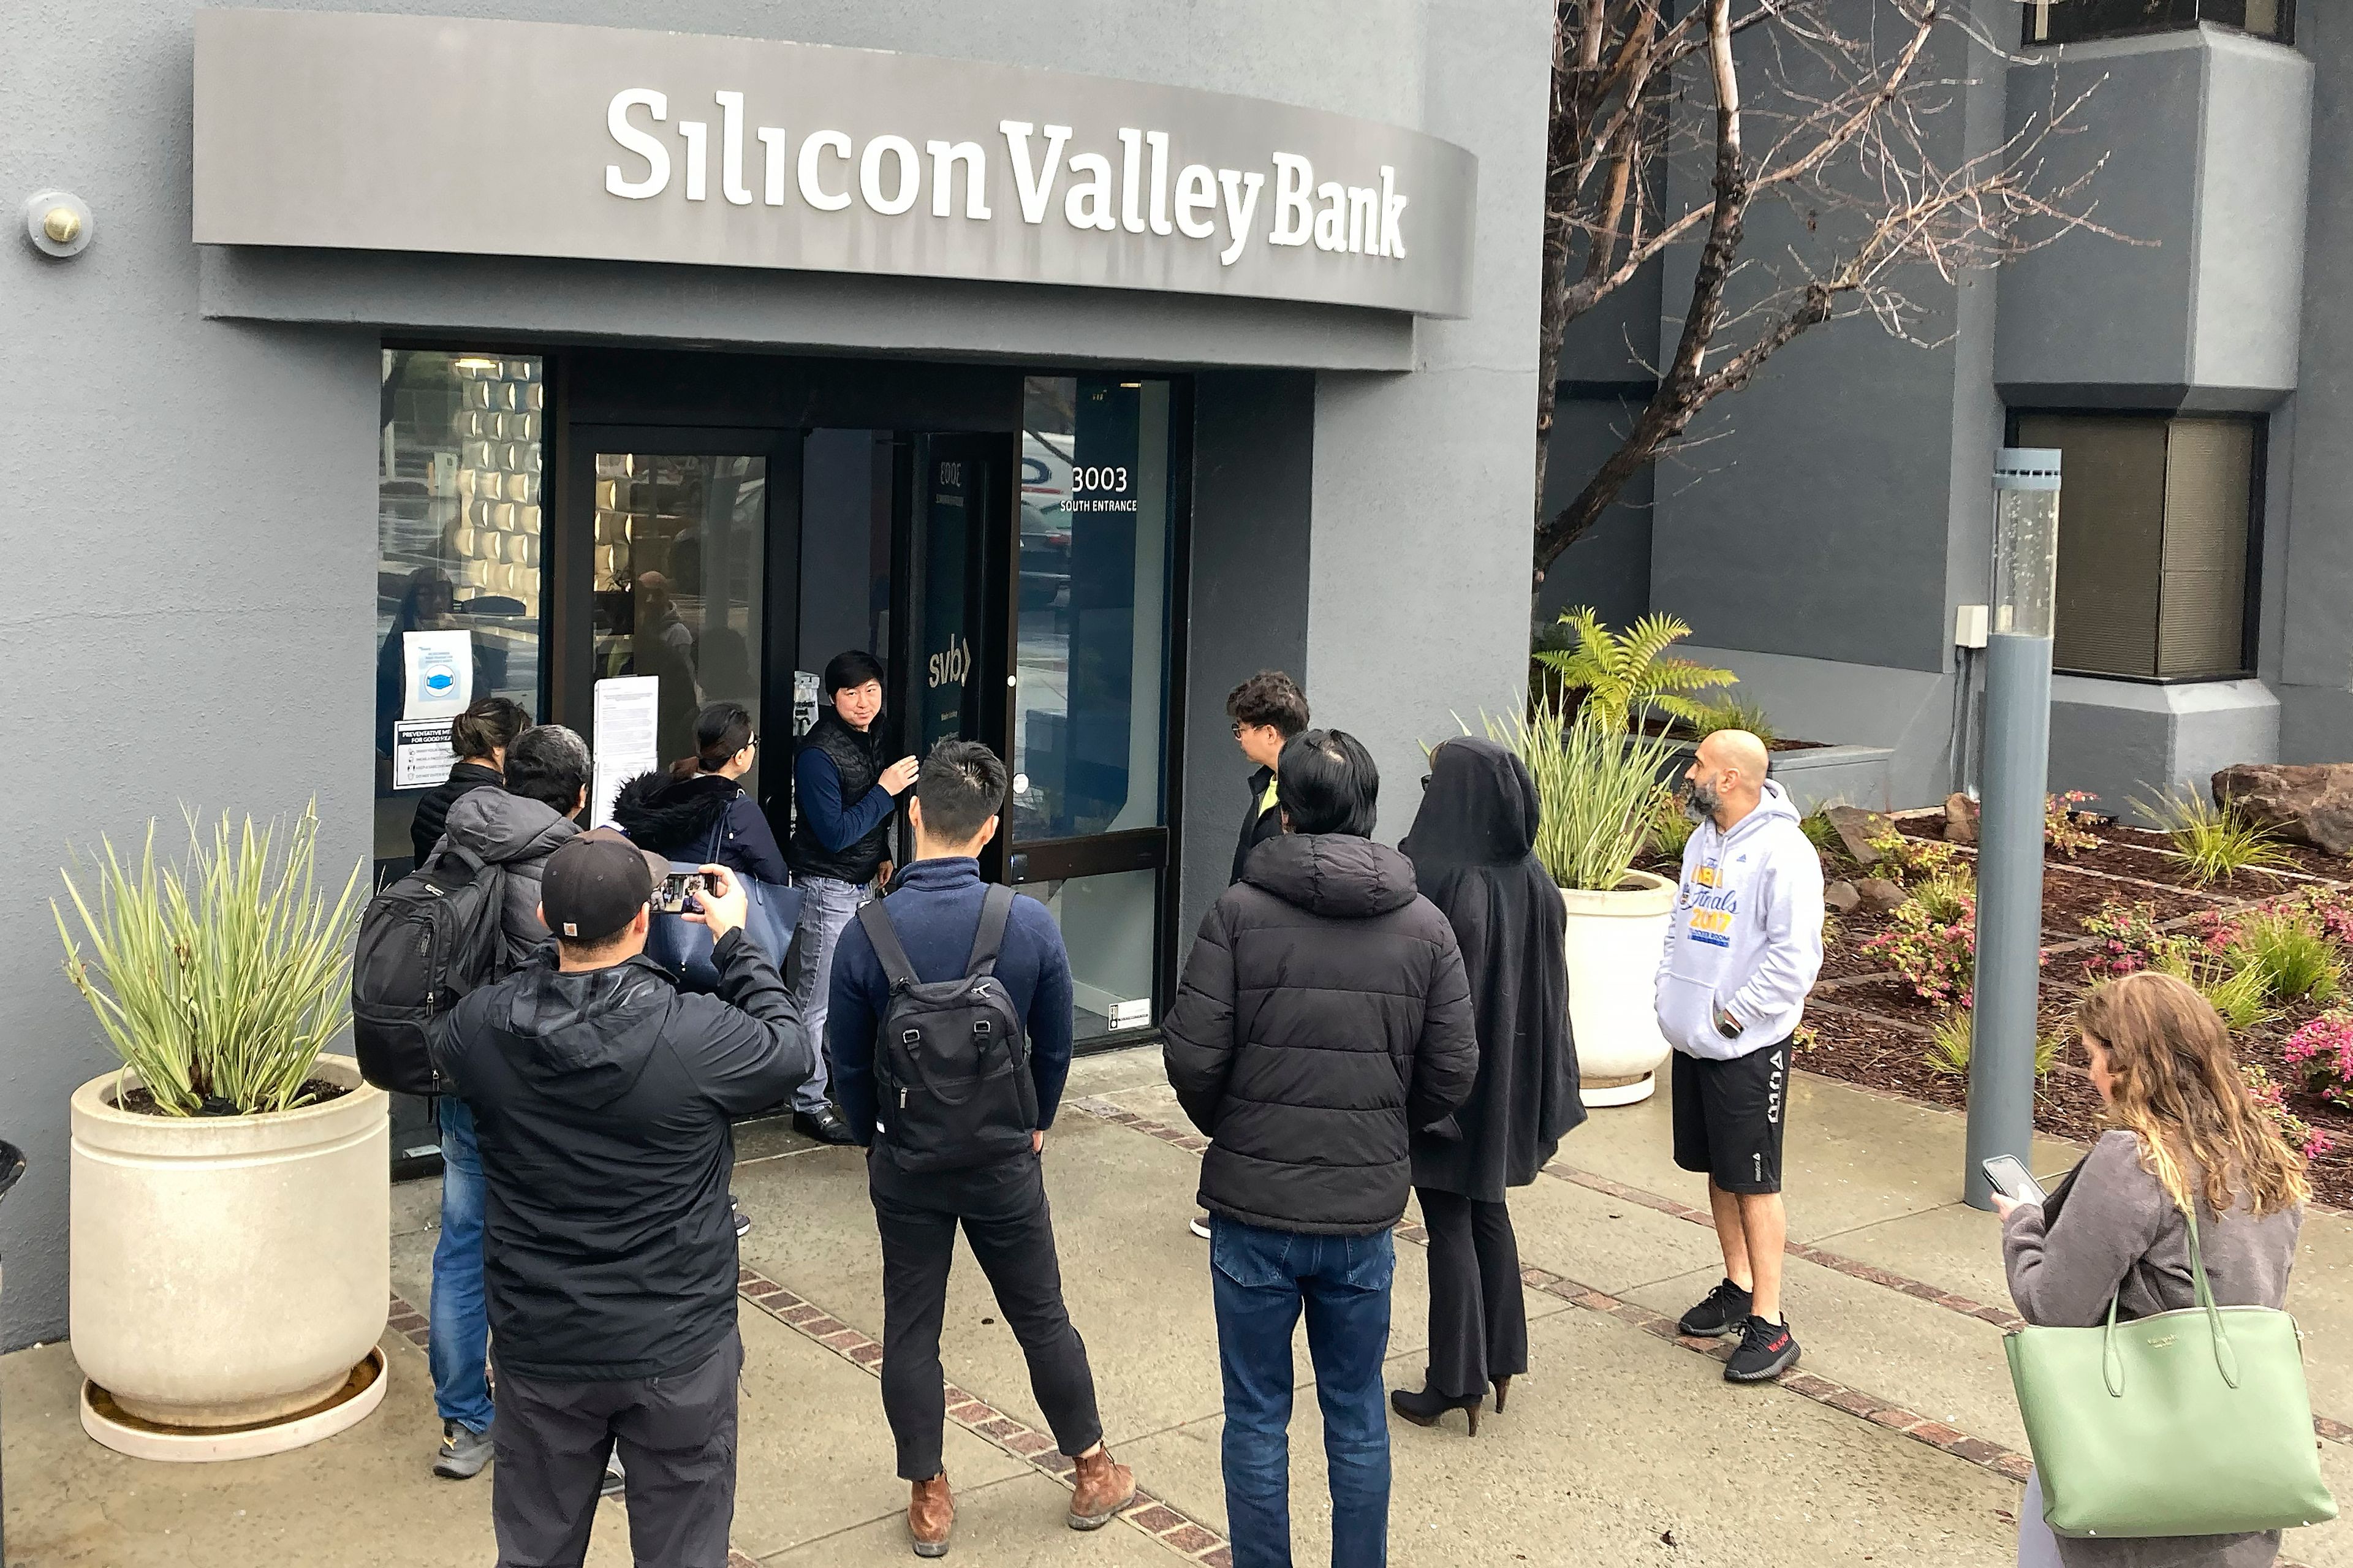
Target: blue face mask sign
x=440 y=670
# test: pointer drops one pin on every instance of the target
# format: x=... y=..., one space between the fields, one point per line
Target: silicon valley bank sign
x=411 y=134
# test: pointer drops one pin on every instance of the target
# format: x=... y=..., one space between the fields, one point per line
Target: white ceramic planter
x=229 y=1271
x=1614 y=939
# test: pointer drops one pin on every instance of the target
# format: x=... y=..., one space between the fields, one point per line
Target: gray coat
x=2118 y=1234
x=516 y=836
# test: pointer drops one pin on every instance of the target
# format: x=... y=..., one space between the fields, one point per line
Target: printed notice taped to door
x=439 y=674
x=629 y=713
x=421 y=754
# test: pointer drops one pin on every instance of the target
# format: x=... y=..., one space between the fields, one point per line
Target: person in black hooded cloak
x=1473 y=852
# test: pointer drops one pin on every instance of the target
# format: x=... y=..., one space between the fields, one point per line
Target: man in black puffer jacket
x=1324 y=1018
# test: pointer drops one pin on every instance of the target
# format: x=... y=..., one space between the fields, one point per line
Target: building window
x=2073 y=21
x=2156 y=519
x=458 y=548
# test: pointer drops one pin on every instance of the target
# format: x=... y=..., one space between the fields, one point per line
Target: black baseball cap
x=594 y=884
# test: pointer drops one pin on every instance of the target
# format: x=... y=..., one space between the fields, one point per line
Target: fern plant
x=1620 y=673
x=1730 y=713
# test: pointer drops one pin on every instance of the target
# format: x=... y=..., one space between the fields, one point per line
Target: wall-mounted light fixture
x=57 y=223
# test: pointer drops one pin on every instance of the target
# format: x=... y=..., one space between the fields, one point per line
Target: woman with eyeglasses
x=699 y=805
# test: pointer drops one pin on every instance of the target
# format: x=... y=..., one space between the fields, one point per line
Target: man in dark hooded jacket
x=1324 y=1018
x=600 y=1097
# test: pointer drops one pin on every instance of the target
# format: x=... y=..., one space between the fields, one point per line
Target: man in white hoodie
x=1742 y=951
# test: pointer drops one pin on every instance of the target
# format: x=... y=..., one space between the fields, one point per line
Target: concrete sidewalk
x=1896 y=1439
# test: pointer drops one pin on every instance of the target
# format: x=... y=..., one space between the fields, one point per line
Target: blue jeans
x=827 y=906
x=460 y=1327
x=1262 y=1279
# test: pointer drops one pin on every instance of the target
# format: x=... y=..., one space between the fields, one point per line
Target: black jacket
x=856 y=759
x=1322 y=1016
x=600 y=1104
x=433 y=805
x=676 y=816
x=1470 y=849
x=1257 y=825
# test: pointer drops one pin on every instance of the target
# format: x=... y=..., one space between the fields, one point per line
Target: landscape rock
x=1960 y=819
x=1856 y=828
x=1841 y=898
x=1880 y=896
x=2306 y=804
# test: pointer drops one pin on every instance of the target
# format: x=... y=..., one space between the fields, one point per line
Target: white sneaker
x=1202 y=1226
x=613 y=1477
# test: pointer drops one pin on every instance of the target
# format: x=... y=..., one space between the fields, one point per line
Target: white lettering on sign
x=1134 y=193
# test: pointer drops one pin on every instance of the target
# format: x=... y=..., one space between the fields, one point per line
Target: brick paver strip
x=1149 y=1513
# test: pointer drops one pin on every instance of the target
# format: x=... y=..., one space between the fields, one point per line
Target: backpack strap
x=885 y=939
x=996 y=910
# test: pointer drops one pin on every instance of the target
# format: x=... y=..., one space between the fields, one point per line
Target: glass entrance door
x=1091 y=683
x=677 y=536
x=953 y=597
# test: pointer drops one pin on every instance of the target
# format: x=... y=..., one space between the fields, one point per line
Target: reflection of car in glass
x=1045 y=522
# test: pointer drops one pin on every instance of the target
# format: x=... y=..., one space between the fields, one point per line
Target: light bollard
x=2002 y=1025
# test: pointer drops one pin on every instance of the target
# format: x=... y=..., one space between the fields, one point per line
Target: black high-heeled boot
x=1502 y=1387
x=1423 y=1408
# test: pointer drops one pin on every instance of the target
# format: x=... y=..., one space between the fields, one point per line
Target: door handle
x=1016 y=868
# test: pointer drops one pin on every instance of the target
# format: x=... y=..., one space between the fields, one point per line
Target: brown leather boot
x=931 y=1514
x=1102 y=1488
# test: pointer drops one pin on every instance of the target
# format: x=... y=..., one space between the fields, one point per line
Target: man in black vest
x=841 y=842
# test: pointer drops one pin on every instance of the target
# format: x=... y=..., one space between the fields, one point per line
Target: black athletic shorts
x=1728 y=1117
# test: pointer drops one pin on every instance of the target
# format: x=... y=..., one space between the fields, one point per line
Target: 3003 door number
x=1085 y=478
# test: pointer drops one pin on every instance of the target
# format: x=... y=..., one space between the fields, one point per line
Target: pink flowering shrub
x=2126 y=941
x=1937 y=959
x=2061 y=831
x=2322 y=1051
x=2272 y=1099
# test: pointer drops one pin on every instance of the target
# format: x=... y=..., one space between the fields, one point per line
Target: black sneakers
x=1767 y=1351
x=1726 y=1309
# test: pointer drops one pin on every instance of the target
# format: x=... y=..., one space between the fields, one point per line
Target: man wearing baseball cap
x=601 y=1099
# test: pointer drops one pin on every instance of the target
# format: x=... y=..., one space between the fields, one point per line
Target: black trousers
x=677 y=1437
x=1478 y=1320
x=1002 y=1207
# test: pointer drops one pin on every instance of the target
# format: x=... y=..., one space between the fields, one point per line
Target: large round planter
x=229 y=1271
x=1614 y=939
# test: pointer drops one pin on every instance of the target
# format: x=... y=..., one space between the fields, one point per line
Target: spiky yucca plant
x=219 y=980
x=1596 y=788
x=1622 y=673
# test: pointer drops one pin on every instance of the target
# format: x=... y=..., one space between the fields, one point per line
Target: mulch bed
x=315 y=1091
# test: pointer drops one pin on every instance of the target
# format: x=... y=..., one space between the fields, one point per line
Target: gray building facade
x=248 y=469
x=1823 y=542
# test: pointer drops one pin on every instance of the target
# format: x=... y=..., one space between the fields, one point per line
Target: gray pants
x=676 y=1434
x=828 y=906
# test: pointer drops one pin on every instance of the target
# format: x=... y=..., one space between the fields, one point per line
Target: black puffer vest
x=858 y=758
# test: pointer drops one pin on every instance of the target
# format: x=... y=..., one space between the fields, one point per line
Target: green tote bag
x=2195 y=1421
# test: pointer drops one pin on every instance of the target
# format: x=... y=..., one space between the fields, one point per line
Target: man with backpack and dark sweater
x=943 y=980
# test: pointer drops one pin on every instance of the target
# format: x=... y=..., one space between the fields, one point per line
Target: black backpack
x=950 y=1057
x=424 y=942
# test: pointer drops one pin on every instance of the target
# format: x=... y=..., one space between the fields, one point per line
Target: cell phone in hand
x=2012 y=1180
x=677 y=889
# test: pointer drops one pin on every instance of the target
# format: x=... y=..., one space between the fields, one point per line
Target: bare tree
x=1855 y=118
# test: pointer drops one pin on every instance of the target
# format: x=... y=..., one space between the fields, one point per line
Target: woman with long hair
x=699 y=810
x=1472 y=851
x=2187 y=1137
